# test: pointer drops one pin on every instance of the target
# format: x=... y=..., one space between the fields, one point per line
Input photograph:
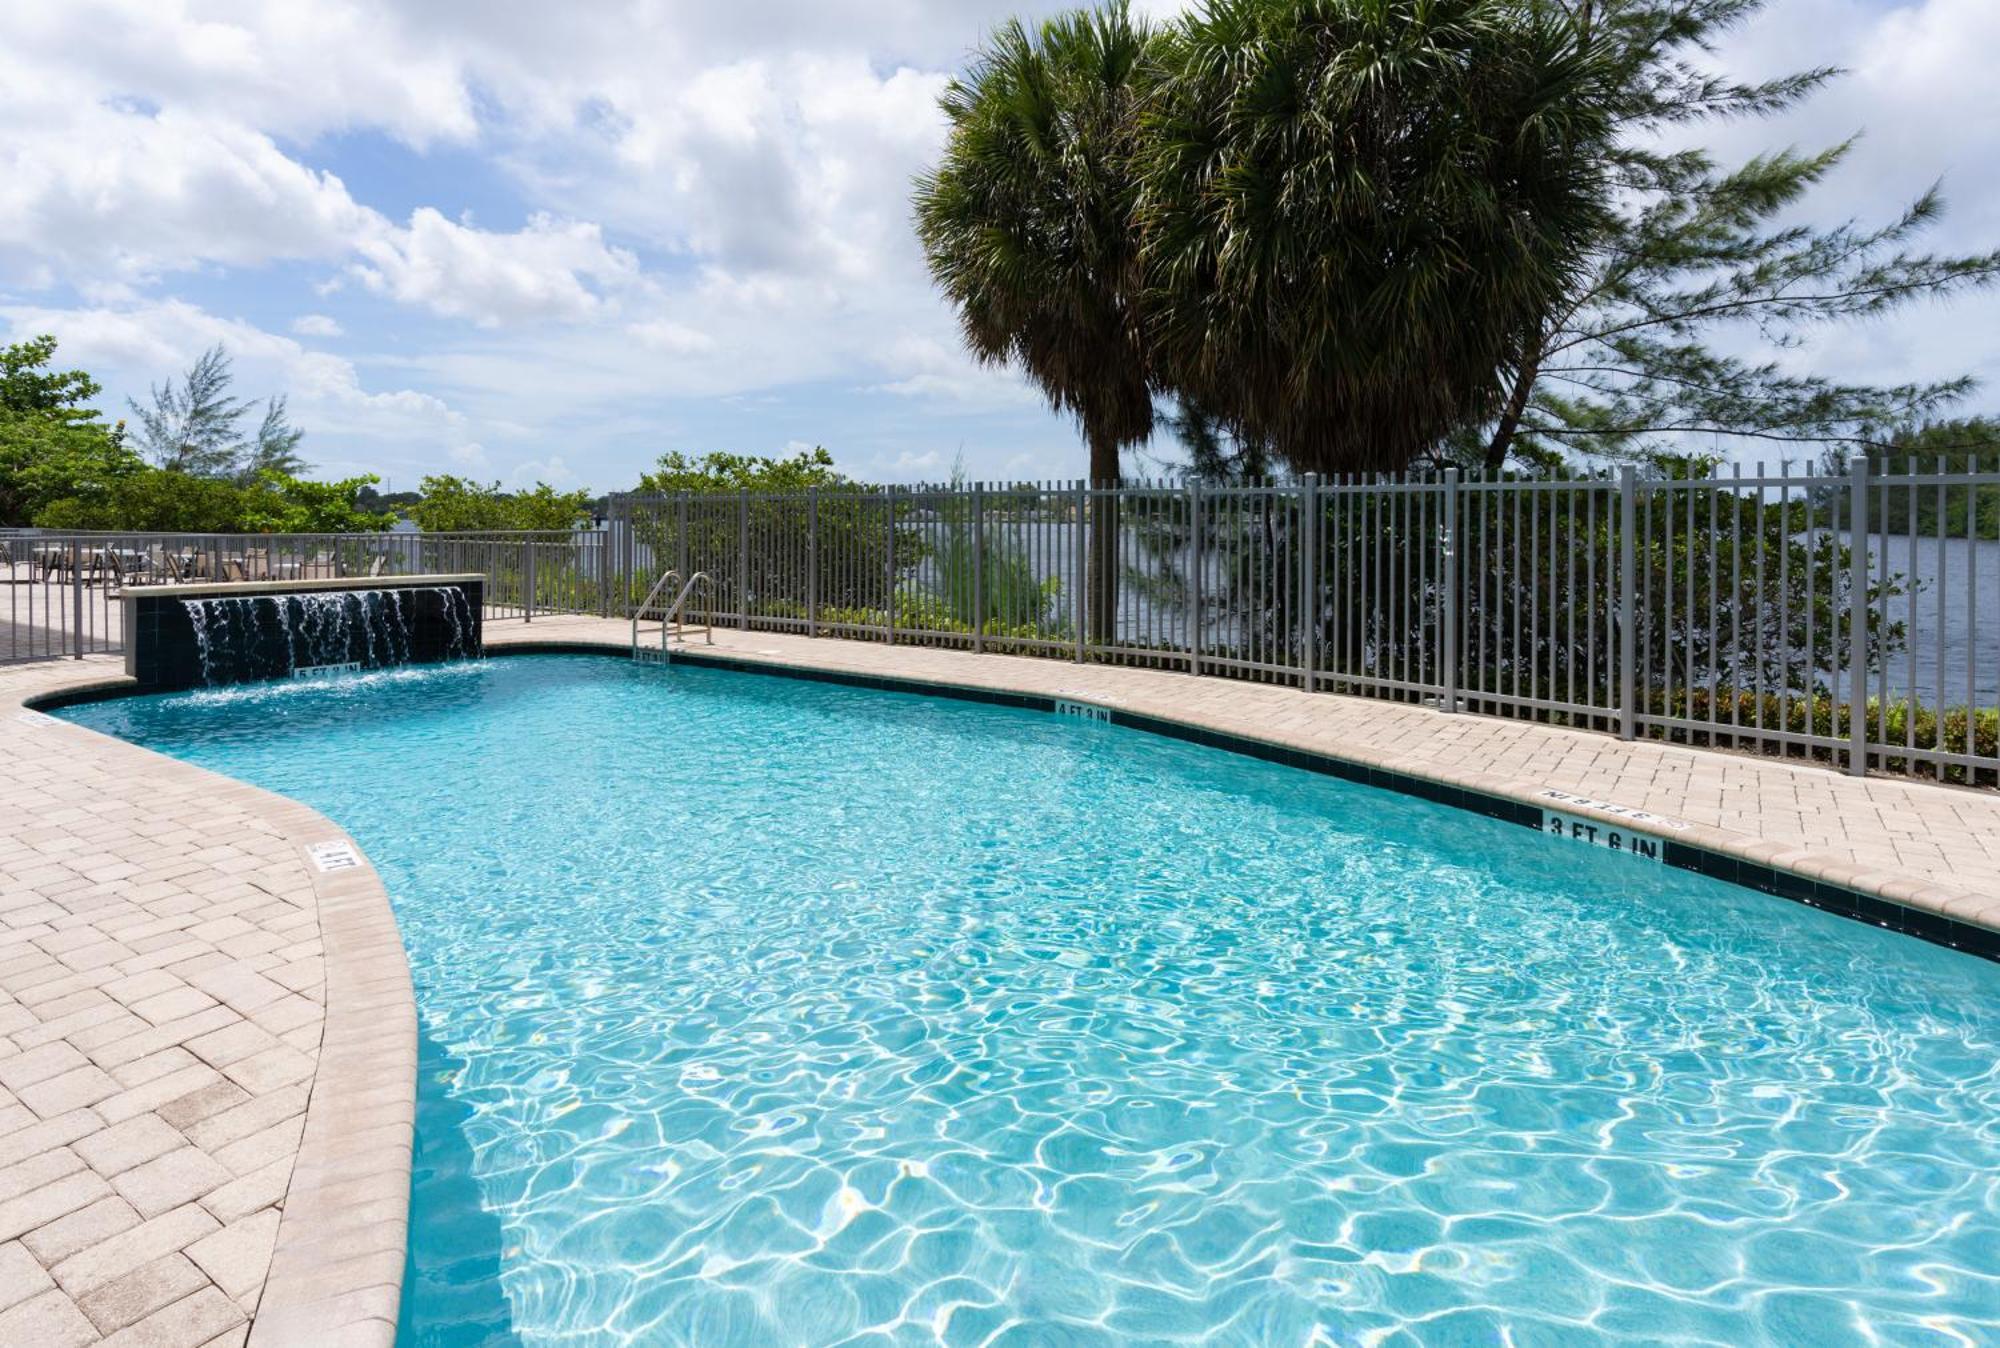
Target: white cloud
x=797 y=166
x=554 y=470
x=935 y=369
x=112 y=195
x=131 y=348
x=925 y=464
x=108 y=194
x=551 y=270
x=657 y=334
x=295 y=70
x=713 y=204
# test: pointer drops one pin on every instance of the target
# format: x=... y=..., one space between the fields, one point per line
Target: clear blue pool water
x=760 y=1011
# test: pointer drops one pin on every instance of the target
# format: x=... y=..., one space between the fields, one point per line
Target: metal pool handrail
x=680 y=601
x=647 y=602
x=671 y=620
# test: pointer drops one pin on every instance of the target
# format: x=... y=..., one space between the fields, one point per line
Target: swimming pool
x=766 y=1011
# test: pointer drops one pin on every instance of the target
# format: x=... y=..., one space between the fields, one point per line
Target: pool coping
x=231 y=589
x=1910 y=905
x=336 y=1269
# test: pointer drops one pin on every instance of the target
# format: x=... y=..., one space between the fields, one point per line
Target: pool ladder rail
x=672 y=624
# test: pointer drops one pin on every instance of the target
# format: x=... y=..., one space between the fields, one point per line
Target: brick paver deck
x=207 y=1045
x=207 y=1052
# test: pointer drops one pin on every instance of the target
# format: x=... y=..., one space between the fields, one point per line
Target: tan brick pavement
x=185 y=1004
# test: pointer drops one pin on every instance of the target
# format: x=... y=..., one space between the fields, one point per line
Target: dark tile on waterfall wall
x=275 y=633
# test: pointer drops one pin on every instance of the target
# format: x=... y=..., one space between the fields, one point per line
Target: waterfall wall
x=193 y=636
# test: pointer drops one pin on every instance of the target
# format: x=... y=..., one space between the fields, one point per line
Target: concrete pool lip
x=337 y=1222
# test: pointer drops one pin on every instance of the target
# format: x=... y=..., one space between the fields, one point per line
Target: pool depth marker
x=336 y=855
x=1646 y=846
x=345 y=667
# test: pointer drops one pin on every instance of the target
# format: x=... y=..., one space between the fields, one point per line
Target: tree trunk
x=1517 y=404
x=1101 y=583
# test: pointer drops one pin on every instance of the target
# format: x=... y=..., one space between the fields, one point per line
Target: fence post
x=978 y=567
x=742 y=560
x=889 y=567
x=631 y=559
x=528 y=583
x=1628 y=639
x=604 y=565
x=1194 y=575
x=76 y=593
x=812 y=561
x=681 y=546
x=1448 y=638
x=1857 y=617
x=1082 y=566
x=1309 y=580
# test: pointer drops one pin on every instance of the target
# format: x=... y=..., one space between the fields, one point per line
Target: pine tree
x=1701 y=261
x=192 y=427
x=276 y=448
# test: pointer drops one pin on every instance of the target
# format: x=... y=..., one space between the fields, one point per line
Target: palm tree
x=1027 y=226
x=1353 y=208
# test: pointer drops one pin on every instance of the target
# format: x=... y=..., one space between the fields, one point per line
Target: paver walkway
x=207 y=1046
x=163 y=1026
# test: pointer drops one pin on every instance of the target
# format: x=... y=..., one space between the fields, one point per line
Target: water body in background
x=1952 y=655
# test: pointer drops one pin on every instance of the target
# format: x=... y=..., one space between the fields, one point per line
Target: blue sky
x=528 y=241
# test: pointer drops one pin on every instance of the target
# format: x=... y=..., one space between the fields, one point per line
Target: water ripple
x=764 y=1012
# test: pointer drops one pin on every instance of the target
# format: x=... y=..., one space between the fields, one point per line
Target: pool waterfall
x=336 y=631
x=203 y=636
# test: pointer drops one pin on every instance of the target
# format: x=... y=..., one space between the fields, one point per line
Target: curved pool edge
x=336 y=1270
x=1957 y=918
x=336 y=1266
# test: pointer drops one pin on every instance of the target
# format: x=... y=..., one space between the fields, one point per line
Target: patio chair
x=233 y=569
x=111 y=569
x=375 y=567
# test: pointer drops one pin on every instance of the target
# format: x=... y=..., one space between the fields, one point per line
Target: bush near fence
x=919 y=615
x=1732 y=716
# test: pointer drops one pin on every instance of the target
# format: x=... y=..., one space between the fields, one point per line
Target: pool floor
x=763 y=1011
